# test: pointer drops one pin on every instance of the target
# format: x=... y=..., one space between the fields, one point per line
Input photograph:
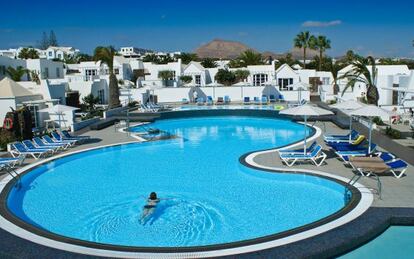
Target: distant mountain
x=223 y=49
x=297 y=53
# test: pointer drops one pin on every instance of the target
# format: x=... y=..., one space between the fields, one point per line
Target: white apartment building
x=388 y=76
x=46 y=69
x=133 y=52
x=58 y=52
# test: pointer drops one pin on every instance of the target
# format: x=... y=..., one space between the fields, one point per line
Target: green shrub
x=6 y=137
x=393 y=133
x=378 y=121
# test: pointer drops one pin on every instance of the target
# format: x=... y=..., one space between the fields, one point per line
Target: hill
x=222 y=49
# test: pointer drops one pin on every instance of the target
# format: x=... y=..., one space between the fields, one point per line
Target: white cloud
x=321 y=24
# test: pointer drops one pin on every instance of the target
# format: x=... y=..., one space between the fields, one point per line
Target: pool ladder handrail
x=10 y=171
x=358 y=176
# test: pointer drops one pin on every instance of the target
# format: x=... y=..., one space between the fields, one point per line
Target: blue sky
x=368 y=27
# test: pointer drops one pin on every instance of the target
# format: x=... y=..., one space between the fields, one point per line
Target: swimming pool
x=395 y=242
x=97 y=196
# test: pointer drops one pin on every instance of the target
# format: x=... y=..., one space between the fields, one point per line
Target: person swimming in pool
x=150 y=207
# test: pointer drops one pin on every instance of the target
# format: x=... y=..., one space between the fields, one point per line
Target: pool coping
x=39 y=236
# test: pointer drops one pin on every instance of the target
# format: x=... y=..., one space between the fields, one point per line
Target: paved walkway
x=395 y=192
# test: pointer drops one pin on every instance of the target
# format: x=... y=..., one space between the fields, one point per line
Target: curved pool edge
x=27 y=231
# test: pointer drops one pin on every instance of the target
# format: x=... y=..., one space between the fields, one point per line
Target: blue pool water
x=98 y=195
x=395 y=242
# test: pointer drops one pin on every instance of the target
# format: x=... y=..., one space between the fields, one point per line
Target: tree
x=320 y=43
x=187 y=57
x=241 y=74
x=16 y=74
x=34 y=77
x=304 y=41
x=165 y=59
x=89 y=102
x=137 y=73
x=28 y=53
x=208 y=63
x=225 y=77
x=287 y=59
x=186 y=79
x=82 y=57
x=52 y=39
x=44 y=41
x=151 y=58
x=362 y=74
x=334 y=68
x=235 y=63
x=166 y=75
x=106 y=56
x=250 y=57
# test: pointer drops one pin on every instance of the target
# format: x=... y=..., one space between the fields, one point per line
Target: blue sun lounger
x=59 y=138
x=341 y=138
x=345 y=154
x=226 y=99
x=299 y=150
x=396 y=167
x=40 y=143
x=314 y=156
x=29 y=144
x=12 y=161
x=18 y=149
x=264 y=99
x=209 y=100
x=246 y=100
x=49 y=140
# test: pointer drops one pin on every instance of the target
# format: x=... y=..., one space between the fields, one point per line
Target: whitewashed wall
x=235 y=93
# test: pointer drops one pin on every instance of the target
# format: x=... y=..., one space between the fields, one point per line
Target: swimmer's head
x=153 y=196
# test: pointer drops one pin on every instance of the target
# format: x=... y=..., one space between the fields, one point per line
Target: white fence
x=236 y=93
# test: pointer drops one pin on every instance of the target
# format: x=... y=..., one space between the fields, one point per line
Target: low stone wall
x=114 y=112
x=83 y=124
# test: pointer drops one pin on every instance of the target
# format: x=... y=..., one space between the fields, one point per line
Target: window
x=59 y=56
x=50 y=53
x=101 y=96
x=57 y=72
x=259 y=79
x=3 y=70
x=116 y=71
x=325 y=80
x=45 y=73
x=284 y=83
x=197 y=80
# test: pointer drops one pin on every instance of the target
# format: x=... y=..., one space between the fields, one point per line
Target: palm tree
x=320 y=43
x=106 y=56
x=250 y=57
x=28 y=53
x=16 y=74
x=208 y=63
x=304 y=41
x=187 y=57
x=166 y=75
x=362 y=74
x=334 y=68
x=242 y=74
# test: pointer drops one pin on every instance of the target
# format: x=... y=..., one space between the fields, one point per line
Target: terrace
x=396 y=204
